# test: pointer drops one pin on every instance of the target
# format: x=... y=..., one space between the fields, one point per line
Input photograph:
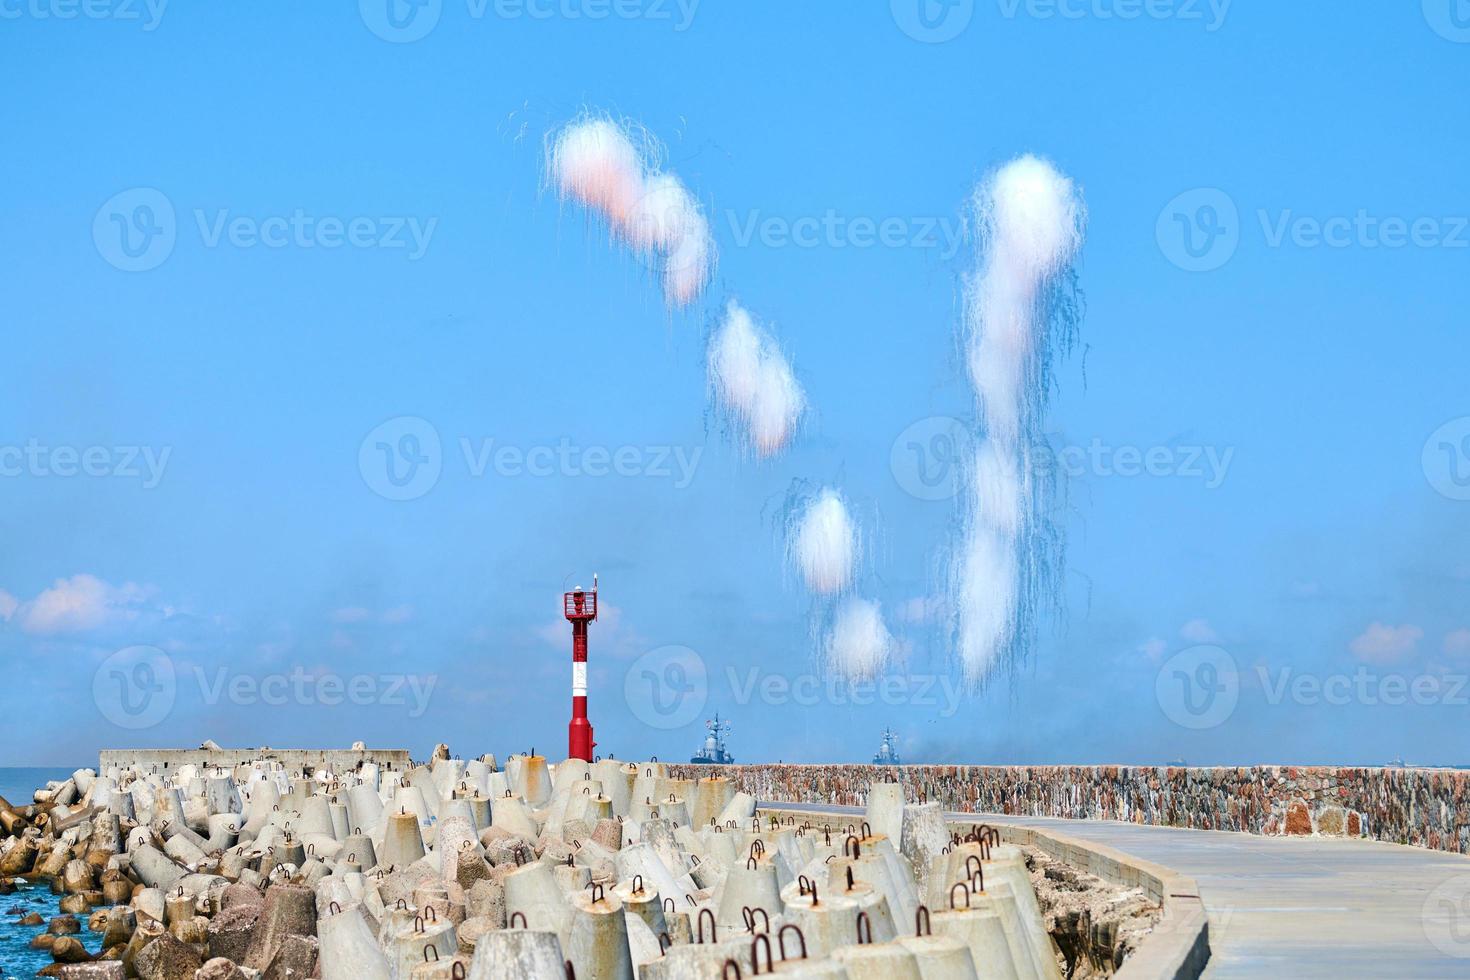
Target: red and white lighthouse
x=580 y=608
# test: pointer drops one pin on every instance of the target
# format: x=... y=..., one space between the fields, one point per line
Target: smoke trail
x=1021 y=310
x=612 y=168
x=858 y=646
x=822 y=543
x=596 y=163
x=752 y=384
x=668 y=222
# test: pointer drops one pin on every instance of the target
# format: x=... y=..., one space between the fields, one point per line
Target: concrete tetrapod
x=364 y=808
x=899 y=869
x=265 y=799
x=532 y=893
x=997 y=896
x=533 y=781
x=288 y=910
x=617 y=782
x=456 y=834
x=794 y=960
x=882 y=866
x=358 y=849
x=643 y=902
x=332 y=890
x=646 y=783
x=885 y=809
x=349 y=951
x=222 y=796
x=421 y=778
x=872 y=903
x=410 y=799
x=341 y=826
x=224 y=831
x=404 y=844
x=719 y=846
x=1007 y=865
x=873 y=870
x=479 y=809
x=153 y=867
x=826 y=923
x=711 y=796
x=702 y=959
x=568 y=773
x=644 y=946
x=598 y=944
x=316 y=819
x=518 y=954
x=980 y=930
x=428 y=938
x=510 y=815
x=1000 y=898
x=867 y=960
x=925 y=836
x=642 y=859
x=740 y=809
x=938 y=957
x=752 y=885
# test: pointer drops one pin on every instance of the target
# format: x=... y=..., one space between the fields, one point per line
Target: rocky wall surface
x=1423 y=807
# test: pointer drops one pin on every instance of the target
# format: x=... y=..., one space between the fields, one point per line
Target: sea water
x=19 y=785
x=17 y=959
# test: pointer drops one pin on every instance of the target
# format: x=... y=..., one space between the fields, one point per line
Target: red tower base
x=579 y=732
x=579 y=740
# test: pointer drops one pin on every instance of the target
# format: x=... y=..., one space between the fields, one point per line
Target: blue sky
x=233 y=520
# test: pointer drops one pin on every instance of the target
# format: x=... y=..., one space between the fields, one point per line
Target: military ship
x=888 y=751
x=713 y=752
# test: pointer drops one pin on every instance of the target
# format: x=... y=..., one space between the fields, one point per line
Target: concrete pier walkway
x=1301 y=907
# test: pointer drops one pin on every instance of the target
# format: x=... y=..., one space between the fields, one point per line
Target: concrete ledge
x=1178 y=948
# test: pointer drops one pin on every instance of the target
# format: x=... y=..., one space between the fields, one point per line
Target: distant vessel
x=888 y=752
x=713 y=752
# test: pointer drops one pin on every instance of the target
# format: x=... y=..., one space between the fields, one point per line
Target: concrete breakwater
x=1423 y=807
x=150 y=761
x=459 y=870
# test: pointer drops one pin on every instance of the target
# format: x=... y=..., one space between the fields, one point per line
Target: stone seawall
x=163 y=760
x=1423 y=807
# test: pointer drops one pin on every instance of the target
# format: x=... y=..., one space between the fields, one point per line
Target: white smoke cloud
x=1018 y=314
x=858 y=646
x=596 y=163
x=753 y=384
x=613 y=169
x=823 y=544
